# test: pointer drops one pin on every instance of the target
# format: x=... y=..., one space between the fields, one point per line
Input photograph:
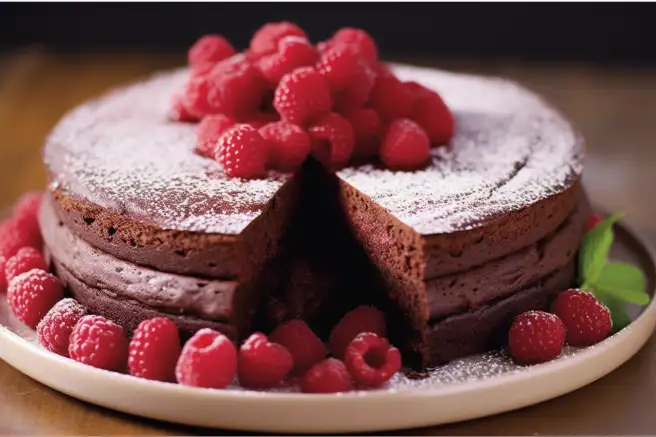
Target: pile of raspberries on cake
x=284 y=99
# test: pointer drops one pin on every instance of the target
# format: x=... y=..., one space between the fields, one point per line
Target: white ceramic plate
x=465 y=389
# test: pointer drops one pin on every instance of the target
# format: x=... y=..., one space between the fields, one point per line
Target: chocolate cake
x=136 y=224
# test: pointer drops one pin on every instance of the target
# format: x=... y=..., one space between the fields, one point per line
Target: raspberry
x=263 y=364
x=368 y=129
x=333 y=140
x=360 y=41
x=431 y=113
x=32 y=294
x=339 y=65
x=391 y=98
x=371 y=360
x=536 y=337
x=301 y=342
x=593 y=221
x=26 y=259
x=154 y=350
x=242 y=151
x=293 y=52
x=210 y=49
x=359 y=320
x=236 y=87
x=208 y=359
x=265 y=40
x=417 y=89
x=587 y=320
x=15 y=234
x=26 y=211
x=55 y=329
x=98 y=342
x=327 y=376
x=405 y=145
x=289 y=145
x=179 y=111
x=195 y=104
x=358 y=92
x=302 y=95
x=208 y=132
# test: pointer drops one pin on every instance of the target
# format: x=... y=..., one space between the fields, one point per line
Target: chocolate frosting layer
x=510 y=150
x=206 y=299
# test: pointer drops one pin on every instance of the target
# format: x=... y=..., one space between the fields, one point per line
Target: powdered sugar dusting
x=121 y=152
x=510 y=150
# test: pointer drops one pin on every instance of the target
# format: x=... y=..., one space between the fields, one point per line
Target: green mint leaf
x=594 y=250
x=623 y=282
x=618 y=311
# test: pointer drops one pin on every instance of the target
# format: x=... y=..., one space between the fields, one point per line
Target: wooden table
x=614 y=108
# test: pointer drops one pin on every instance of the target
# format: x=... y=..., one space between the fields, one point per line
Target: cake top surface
x=509 y=151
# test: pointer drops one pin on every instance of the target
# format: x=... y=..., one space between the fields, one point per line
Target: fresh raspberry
x=405 y=145
x=15 y=234
x=339 y=65
x=371 y=360
x=265 y=40
x=242 y=151
x=302 y=95
x=289 y=145
x=194 y=101
x=391 y=98
x=418 y=90
x=26 y=259
x=26 y=211
x=359 y=320
x=301 y=342
x=431 y=113
x=98 y=342
x=593 y=221
x=54 y=330
x=293 y=52
x=587 y=320
x=327 y=376
x=263 y=364
x=208 y=359
x=32 y=294
x=236 y=87
x=368 y=129
x=208 y=132
x=536 y=337
x=154 y=350
x=358 y=92
x=210 y=49
x=332 y=139
x=360 y=41
x=179 y=111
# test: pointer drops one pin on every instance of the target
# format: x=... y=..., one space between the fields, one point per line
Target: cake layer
x=206 y=299
x=128 y=312
x=487 y=328
x=498 y=278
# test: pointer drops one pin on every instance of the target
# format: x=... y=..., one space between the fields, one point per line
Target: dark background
x=605 y=32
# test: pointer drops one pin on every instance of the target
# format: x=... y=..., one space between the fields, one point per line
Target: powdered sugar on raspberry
x=509 y=151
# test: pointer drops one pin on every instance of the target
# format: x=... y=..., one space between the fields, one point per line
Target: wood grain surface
x=615 y=108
